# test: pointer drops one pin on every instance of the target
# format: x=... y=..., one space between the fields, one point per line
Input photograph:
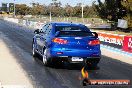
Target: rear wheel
x=33 y=49
x=46 y=59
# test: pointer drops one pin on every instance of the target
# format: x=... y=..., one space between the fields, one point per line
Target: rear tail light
x=94 y=42
x=59 y=52
x=60 y=41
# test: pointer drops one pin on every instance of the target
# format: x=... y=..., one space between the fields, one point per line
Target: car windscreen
x=67 y=28
x=75 y=34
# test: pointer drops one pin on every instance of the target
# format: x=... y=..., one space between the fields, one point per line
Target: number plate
x=77 y=59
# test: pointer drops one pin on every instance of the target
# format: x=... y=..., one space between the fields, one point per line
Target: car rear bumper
x=74 y=53
x=66 y=55
x=85 y=60
x=95 y=59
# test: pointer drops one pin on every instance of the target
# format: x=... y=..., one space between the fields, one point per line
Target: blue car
x=70 y=42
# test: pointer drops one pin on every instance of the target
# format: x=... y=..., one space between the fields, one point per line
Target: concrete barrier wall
x=113 y=40
x=123 y=42
x=33 y=24
x=11 y=20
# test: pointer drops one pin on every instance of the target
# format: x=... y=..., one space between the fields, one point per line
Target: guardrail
x=11 y=20
x=123 y=42
x=127 y=44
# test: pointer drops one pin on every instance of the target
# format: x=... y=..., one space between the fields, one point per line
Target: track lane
x=44 y=77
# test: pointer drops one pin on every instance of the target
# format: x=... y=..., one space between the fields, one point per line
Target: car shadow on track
x=65 y=65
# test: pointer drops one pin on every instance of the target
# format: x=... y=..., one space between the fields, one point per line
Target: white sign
x=122 y=23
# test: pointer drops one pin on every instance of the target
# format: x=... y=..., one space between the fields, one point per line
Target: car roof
x=66 y=24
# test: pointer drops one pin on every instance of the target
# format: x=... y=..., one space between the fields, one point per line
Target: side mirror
x=36 y=31
x=41 y=31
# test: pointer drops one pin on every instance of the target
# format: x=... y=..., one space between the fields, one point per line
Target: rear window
x=74 y=34
x=67 y=28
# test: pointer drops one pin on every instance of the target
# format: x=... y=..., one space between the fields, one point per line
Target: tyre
x=34 y=50
x=46 y=60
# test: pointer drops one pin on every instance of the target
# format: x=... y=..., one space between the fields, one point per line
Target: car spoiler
x=94 y=33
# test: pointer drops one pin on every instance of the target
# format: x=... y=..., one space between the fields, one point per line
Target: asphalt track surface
x=64 y=76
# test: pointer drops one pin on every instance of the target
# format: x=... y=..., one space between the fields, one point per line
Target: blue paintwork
x=71 y=48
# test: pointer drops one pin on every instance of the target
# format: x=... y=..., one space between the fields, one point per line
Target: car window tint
x=49 y=28
x=44 y=28
x=67 y=28
x=75 y=34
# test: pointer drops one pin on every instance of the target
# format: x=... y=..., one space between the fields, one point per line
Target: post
x=14 y=9
x=82 y=13
x=50 y=15
x=82 y=10
x=50 y=11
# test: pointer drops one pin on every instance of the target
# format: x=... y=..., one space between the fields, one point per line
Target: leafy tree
x=128 y=5
x=111 y=9
x=38 y=9
x=22 y=9
x=55 y=8
x=115 y=9
x=69 y=10
x=90 y=11
x=78 y=10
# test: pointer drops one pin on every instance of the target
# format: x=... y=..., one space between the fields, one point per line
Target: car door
x=45 y=37
x=40 y=38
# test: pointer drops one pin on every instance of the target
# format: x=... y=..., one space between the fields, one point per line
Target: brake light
x=59 y=52
x=60 y=41
x=94 y=42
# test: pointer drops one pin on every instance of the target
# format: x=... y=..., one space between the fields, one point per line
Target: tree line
x=56 y=10
x=110 y=10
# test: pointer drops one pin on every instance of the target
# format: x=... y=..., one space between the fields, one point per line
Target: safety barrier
x=33 y=24
x=117 y=41
x=11 y=20
x=113 y=40
x=127 y=44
